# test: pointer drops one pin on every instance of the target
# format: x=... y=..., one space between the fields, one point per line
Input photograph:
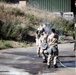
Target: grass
x=16 y=25
x=4 y=44
x=19 y=24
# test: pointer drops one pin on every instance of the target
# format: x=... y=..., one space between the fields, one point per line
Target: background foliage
x=20 y=24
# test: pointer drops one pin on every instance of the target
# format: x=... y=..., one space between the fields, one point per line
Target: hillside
x=19 y=24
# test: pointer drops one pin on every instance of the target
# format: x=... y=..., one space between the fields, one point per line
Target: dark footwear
x=45 y=61
x=48 y=66
x=55 y=66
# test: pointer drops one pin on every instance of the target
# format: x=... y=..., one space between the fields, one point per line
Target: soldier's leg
x=50 y=53
x=43 y=55
x=49 y=60
x=38 y=51
x=55 y=59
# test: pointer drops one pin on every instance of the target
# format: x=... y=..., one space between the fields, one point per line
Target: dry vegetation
x=23 y=20
x=19 y=24
x=31 y=10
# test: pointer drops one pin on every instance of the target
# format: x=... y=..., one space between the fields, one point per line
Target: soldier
x=53 y=49
x=44 y=45
x=38 y=42
x=45 y=30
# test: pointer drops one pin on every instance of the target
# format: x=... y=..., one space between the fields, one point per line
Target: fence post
x=75 y=37
x=75 y=31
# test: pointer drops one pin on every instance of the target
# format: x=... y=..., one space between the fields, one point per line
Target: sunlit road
x=24 y=61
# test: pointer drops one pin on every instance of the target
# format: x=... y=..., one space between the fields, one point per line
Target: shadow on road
x=35 y=65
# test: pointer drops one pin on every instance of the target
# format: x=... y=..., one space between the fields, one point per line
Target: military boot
x=45 y=61
x=55 y=66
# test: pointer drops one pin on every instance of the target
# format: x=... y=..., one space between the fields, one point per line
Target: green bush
x=1 y=7
x=5 y=28
x=8 y=45
x=16 y=32
x=17 y=12
x=64 y=25
x=16 y=24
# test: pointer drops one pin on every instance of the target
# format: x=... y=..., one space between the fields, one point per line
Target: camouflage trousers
x=38 y=50
x=52 y=55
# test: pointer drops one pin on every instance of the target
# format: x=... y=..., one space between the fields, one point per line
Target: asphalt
x=24 y=61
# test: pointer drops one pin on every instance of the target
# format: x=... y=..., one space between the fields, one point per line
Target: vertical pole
x=75 y=37
x=75 y=31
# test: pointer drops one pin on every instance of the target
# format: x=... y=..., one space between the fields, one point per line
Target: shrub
x=15 y=24
x=8 y=45
x=17 y=12
x=5 y=28
x=16 y=32
x=64 y=25
x=1 y=7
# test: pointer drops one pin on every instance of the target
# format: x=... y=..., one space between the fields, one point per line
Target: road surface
x=24 y=61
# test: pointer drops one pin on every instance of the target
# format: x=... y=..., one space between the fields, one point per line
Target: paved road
x=24 y=61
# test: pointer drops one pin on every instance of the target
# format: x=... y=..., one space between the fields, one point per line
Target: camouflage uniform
x=44 y=45
x=38 y=42
x=53 y=49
